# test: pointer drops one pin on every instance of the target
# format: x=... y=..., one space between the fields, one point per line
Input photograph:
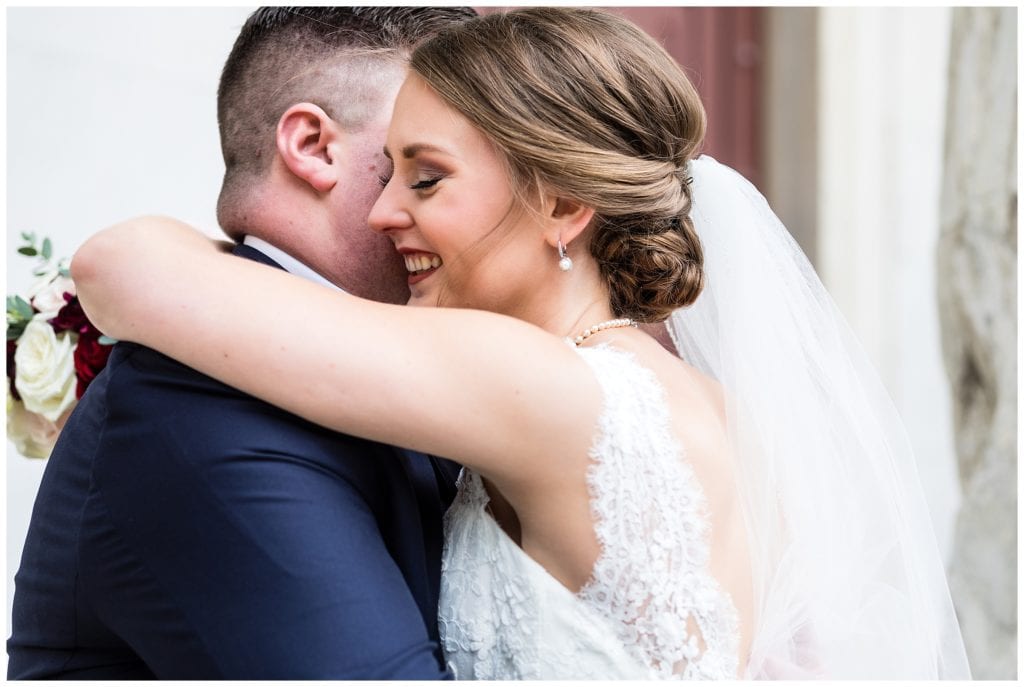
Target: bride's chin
x=422 y=301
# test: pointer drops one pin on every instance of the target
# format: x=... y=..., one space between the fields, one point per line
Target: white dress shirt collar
x=286 y=261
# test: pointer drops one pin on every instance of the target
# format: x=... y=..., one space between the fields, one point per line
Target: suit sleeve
x=227 y=543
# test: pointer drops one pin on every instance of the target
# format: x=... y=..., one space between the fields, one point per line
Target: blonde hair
x=585 y=103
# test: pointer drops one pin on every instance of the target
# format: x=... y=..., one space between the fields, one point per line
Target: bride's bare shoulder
x=684 y=384
x=696 y=401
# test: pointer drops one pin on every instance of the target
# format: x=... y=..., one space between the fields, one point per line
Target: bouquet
x=53 y=353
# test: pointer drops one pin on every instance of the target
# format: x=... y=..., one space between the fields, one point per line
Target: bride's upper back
x=655 y=507
x=696 y=406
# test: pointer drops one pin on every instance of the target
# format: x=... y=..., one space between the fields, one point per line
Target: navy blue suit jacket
x=186 y=530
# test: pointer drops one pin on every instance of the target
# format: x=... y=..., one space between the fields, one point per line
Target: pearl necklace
x=610 y=324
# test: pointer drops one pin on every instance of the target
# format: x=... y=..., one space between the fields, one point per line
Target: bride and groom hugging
x=732 y=501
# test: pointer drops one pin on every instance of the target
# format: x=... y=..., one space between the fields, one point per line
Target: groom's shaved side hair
x=333 y=57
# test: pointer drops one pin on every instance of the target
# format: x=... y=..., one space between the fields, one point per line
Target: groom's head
x=303 y=107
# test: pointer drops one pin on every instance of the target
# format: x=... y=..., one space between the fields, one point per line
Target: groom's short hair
x=328 y=56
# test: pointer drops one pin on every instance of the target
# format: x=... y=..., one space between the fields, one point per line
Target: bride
x=745 y=505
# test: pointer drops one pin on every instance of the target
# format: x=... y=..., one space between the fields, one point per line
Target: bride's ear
x=566 y=219
x=307 y=141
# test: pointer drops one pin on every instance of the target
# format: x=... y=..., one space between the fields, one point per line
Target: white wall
x=111 y=112
x=881 y=114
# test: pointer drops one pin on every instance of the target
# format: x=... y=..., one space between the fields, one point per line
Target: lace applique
x=651 y=608
x=492 y=633
x=503 y=617
x=650 y=518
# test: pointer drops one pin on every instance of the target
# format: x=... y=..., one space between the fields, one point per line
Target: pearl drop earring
x=564 y=262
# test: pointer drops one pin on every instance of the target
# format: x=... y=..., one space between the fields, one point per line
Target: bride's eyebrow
x=413 y=149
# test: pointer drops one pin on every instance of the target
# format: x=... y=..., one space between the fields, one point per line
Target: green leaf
x=64 y=271
x=47 y=248
x=23 y=308
x=15 y=330
x=28 y=250
x=16 y=316
x=28 y=237
x=106 y=340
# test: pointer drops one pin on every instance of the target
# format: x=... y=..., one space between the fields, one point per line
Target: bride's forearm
x=477 y=387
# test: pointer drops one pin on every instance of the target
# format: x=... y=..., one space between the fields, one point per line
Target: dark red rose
x=12 y=345
x=71 y=317
x=90 y=357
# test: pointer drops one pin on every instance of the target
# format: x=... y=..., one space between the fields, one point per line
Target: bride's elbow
x=97 y=266
x=109 y=251
x=86 y=260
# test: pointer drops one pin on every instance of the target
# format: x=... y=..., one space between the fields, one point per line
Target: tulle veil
x=849 y=582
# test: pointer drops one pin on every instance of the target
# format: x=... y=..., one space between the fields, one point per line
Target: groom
x=186 y=530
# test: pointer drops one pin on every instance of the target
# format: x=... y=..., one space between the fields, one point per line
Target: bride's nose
x=388 y=214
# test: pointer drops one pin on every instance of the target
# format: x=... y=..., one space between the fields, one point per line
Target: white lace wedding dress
x=651 y=608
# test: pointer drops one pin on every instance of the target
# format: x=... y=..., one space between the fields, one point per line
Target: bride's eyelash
x=418 y=186
x=426 y=183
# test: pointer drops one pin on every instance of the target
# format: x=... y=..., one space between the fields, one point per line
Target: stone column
x=977 y=292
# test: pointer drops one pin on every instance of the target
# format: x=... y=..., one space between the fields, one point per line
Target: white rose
x=45 y=376
x=48 y=296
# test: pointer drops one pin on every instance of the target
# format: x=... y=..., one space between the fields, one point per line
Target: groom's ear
x=307 y=141
x=566 y=219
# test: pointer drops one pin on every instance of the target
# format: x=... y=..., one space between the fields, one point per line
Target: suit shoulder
x=154 y=393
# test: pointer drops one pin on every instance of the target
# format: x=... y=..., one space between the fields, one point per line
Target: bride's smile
x=420 y=264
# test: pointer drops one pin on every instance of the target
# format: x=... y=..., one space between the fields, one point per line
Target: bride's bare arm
x=487 y=390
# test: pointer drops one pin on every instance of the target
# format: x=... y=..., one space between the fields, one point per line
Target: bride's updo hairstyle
x=584 y=103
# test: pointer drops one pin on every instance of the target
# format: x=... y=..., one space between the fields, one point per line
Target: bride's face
x=450 y=210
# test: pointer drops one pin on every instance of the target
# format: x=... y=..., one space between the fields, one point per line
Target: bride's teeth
x=421 y=263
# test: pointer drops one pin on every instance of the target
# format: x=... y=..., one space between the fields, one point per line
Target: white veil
x=849 y=582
